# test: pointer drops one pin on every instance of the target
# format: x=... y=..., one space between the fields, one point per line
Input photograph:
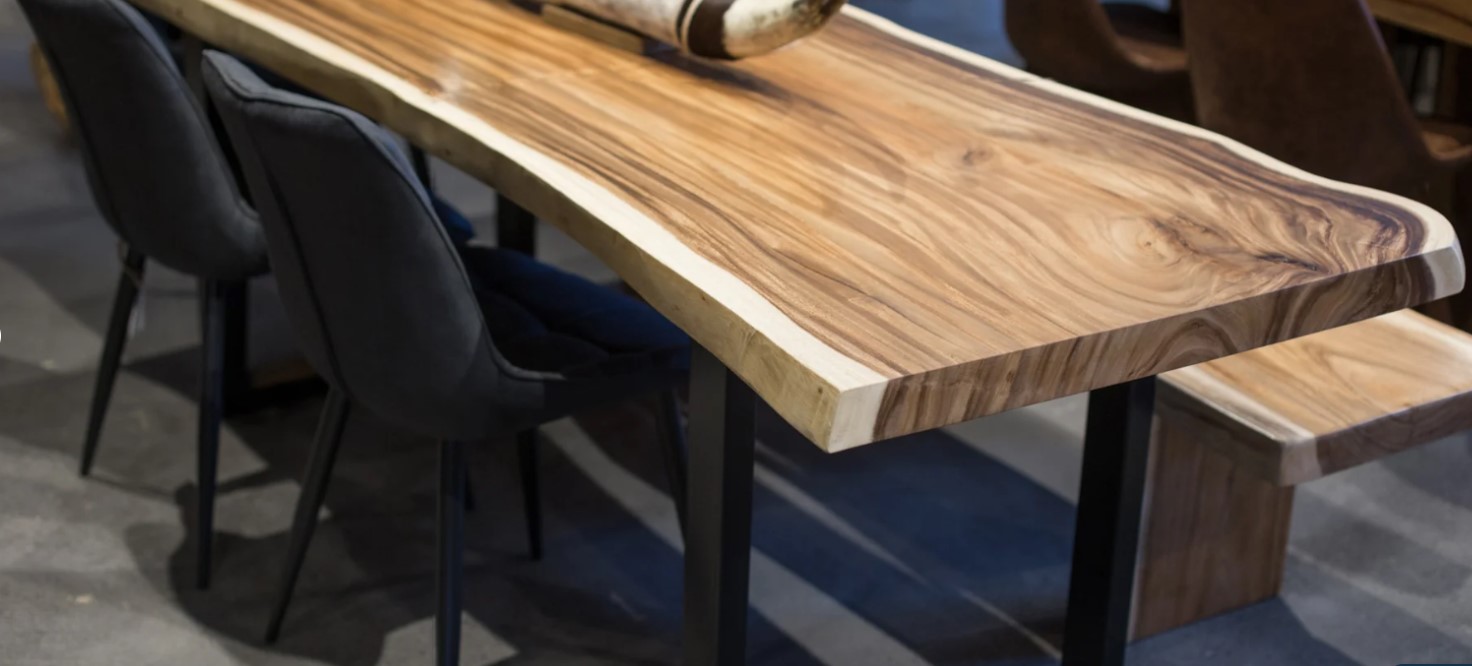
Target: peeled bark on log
x=726 y=29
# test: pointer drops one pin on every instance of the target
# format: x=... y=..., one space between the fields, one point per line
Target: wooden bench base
x=1215 y=535
x=1234 y=436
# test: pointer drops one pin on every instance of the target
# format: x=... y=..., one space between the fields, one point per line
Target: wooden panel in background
x=880 y=233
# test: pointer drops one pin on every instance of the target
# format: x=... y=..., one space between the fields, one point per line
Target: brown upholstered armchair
x=1311 y=83
x=1126 y=52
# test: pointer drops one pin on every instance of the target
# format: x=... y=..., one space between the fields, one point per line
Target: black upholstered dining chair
x=456 y=343
x=162 y=183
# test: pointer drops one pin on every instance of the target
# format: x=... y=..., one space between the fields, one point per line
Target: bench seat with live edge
x=1234 y=436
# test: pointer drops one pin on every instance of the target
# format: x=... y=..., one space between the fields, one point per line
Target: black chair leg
x=112 y=351
x=211 y=411
x=531 y=490
x=469 y=491
x=235 y=300
x=309 y=503
x=672 y=440
x=451 y=540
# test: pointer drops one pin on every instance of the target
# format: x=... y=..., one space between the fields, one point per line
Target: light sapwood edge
x=854 y=385
x=1446 y=268
x=855 y=418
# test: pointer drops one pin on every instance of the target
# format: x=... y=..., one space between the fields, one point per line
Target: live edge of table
x=876 y=233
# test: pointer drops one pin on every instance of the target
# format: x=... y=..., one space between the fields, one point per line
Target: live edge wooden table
x=875 y=233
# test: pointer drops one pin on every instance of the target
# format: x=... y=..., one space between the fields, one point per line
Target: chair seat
x=1449 y=142
x=1301 y=409
x=547 y=320
x=1150 y=37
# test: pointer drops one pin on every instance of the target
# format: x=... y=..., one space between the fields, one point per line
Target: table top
x=880 y=233
x=1447 y=19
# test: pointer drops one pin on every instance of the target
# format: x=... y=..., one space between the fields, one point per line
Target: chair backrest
x=155 y=170
x=1068 y=40
x=1308 y=82
x=371 y=282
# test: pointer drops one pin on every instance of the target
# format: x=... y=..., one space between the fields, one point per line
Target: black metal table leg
x=718 y=535
x=451 y=544
x=531 y=490
x=672 y=441
x=516 y=227
x=1106 y=538
x=211 y=411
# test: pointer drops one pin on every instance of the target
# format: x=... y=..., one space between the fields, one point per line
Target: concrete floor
x=948 y=548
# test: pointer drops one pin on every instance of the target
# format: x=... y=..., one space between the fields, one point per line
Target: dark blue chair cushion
x=548 y=320
x=455 y=223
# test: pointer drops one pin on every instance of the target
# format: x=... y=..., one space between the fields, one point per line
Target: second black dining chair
x=162 y=183
x=456 y=344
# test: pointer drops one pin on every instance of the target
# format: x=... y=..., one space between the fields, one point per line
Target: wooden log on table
x=726 y=29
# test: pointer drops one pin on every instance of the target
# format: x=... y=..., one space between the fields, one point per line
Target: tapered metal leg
x=672 y=441
x=718 y=535
x=1106 y=538
x=451 y=546
x=516 y=227
x=211 y=410
x=112 y=351
x=531 y=490
x=309 y=503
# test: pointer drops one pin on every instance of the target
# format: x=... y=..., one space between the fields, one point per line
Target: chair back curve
x=1069 y=40
x=371 y=282
x=1308 y=82
x=155 y=169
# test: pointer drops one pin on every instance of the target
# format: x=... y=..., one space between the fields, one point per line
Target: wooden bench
x=1234 y=436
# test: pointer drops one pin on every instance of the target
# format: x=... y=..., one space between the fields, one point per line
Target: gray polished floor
x=949 y=548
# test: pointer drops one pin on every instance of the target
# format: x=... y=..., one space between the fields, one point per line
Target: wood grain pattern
x=1300 y=410
x=880 y=233
x=1450 y=20
x=598 y=29
x=1215 y=535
